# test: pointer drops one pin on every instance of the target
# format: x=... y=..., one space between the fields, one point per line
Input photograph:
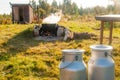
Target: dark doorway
x=21 y=17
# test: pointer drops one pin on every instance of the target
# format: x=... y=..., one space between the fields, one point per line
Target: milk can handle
x=106 y=54
x=75 y=59
x=63 y=58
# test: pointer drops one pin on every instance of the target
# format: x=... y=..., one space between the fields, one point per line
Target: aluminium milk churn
x=101 y=65
x=72 y=66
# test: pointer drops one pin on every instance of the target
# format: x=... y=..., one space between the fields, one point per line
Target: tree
x=99 y=10
x=45 y=6
x=34 y=6
x=67 y=7
x=75 y=9
x=81 y=11
x=116 y=6
x=40 y=3
x=41 y=13
x=54 y=6
x=110 y=8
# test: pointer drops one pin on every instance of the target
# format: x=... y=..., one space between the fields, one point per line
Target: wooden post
x=101 y=32
x=38 y=14
x=12 y=12
x=110 y=35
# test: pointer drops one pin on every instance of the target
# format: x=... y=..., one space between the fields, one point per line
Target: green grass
x=23 y=58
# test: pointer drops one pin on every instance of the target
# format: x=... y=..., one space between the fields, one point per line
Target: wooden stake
x=101 y=32
x=111 y=30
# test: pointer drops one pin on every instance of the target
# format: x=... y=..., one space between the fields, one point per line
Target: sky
x=6 y=8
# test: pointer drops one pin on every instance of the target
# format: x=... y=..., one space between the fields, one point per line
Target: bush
x=5 y=19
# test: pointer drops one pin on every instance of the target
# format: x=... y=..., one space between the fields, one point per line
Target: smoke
x=52 y=19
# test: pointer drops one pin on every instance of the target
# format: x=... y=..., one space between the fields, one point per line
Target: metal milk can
x=72 y=66
x=101 y=65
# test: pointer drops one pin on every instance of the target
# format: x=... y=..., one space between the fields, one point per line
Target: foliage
x=5 y=19
x=75 y=9
x=70 y=8
x=116 y=6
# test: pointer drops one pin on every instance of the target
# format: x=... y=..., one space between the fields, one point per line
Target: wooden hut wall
x=15 y=14
x=30 y=14
x=26 y=14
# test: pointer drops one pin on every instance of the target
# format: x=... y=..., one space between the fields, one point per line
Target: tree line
x=43 y=8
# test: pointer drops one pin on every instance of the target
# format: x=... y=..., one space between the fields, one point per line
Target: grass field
x=23 y=58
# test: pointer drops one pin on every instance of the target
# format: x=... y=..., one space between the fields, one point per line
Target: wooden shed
x=22 y=13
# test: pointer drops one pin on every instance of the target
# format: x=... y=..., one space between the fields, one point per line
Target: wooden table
x=110 y=19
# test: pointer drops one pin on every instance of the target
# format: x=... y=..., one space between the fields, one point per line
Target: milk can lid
x=101 y=47
x=73 y=51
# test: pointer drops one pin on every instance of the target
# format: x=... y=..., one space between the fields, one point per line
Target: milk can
x=72 y=66
x=101 y=65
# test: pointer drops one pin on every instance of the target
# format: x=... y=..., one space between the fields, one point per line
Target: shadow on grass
x=19 y=43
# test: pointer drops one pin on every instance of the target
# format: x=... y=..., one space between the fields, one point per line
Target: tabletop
x=114 y=18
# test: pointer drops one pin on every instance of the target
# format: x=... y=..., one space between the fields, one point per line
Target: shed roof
x=21 y=5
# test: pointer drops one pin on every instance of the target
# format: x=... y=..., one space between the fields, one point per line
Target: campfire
x=49 y=32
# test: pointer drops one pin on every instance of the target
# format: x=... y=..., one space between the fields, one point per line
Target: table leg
x=101 y=32
x=111 y=30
